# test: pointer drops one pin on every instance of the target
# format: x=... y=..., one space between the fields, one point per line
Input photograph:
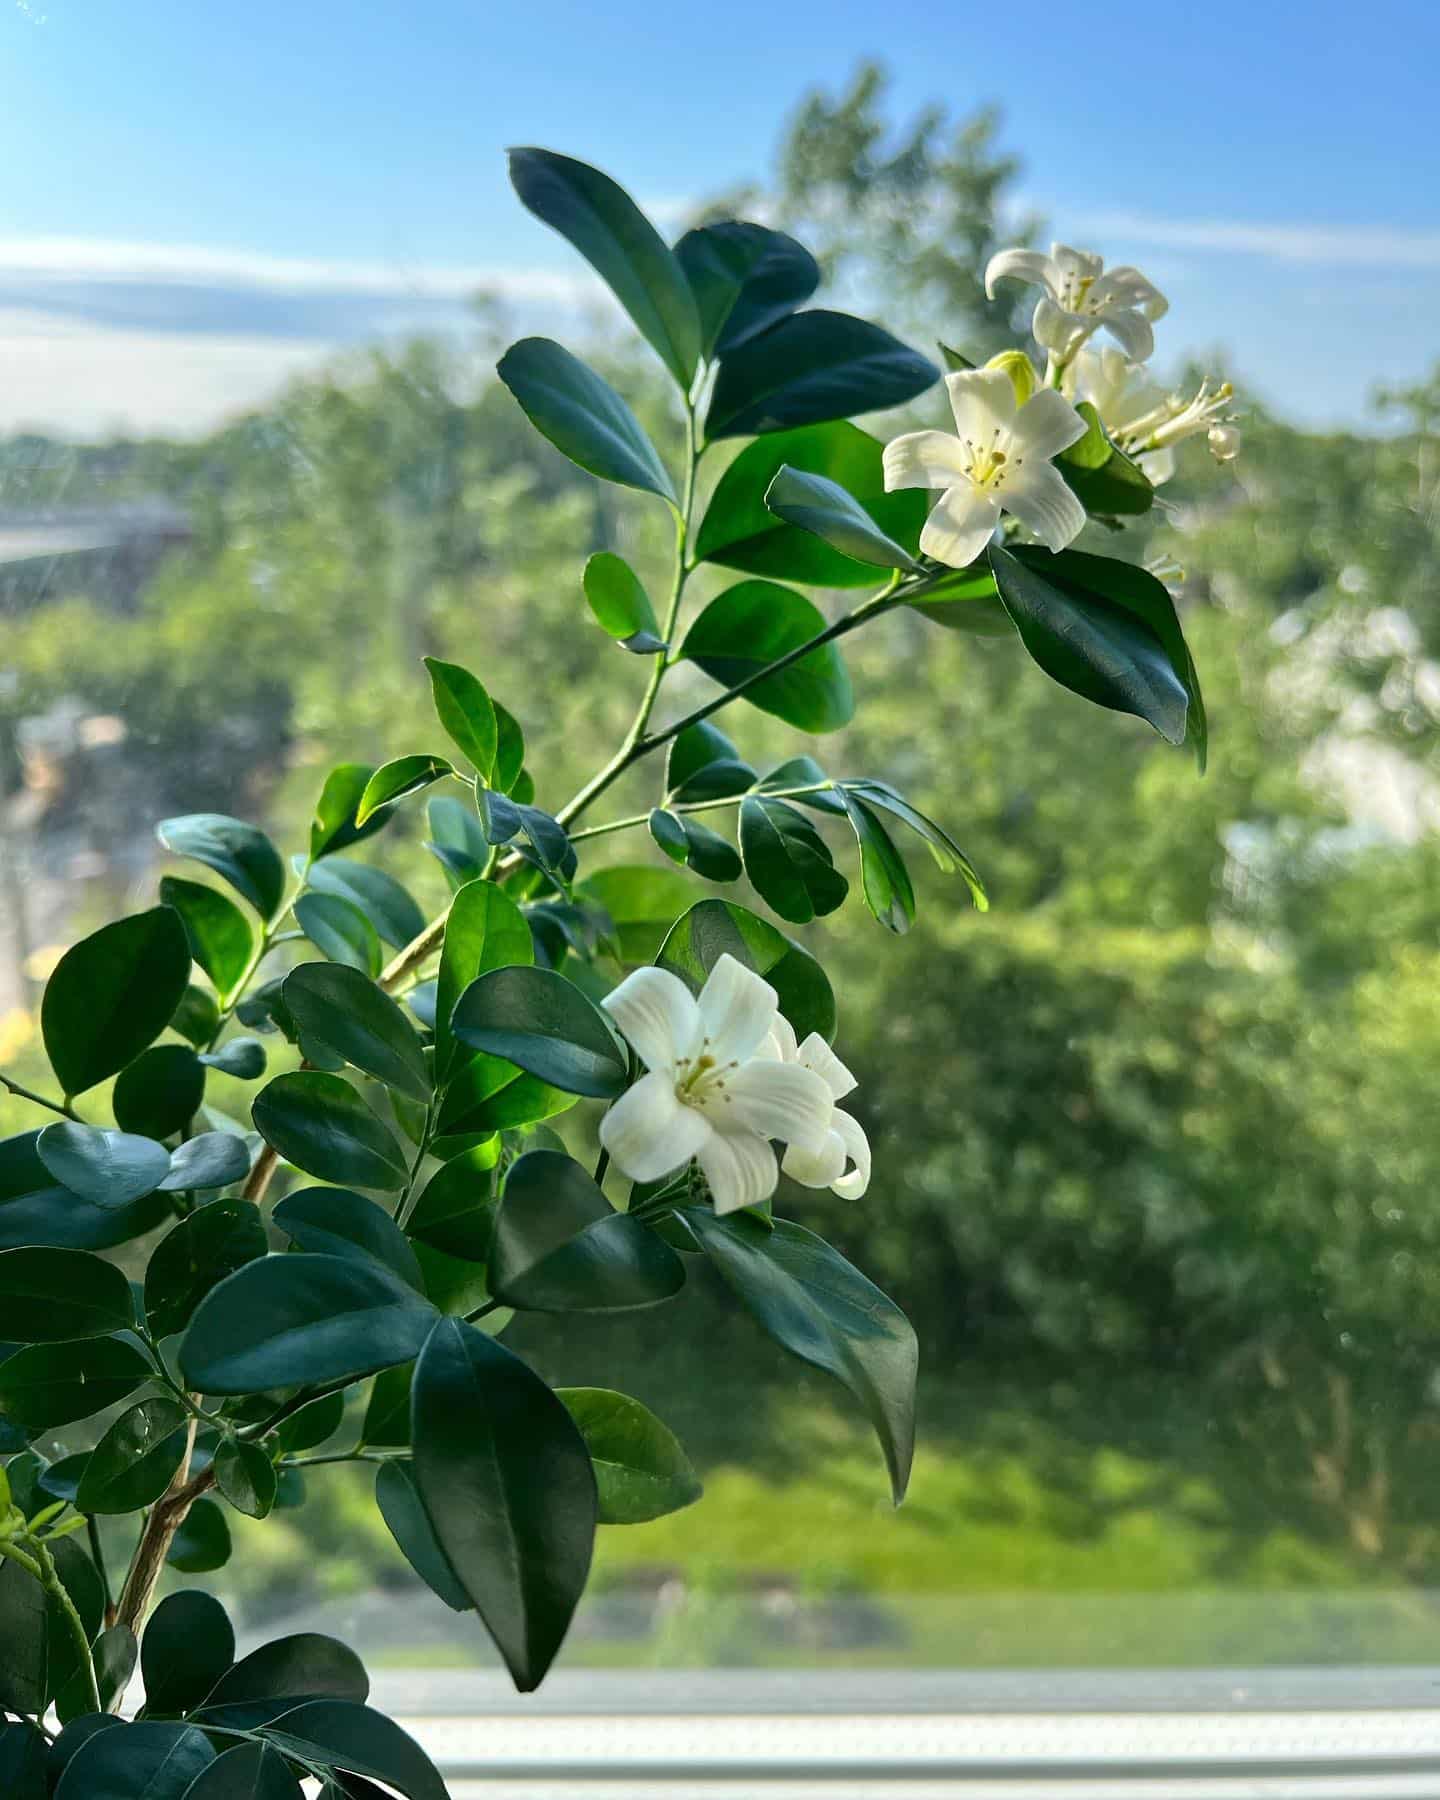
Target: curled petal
x=775 y=1100
x=924 y=459
x=655 y=1011
x=740 y=1168
x=1129 y=287
x=1040 y=500
x=1130 y=329
x=649 y=1131
x=960 y=525
x=781 y=1045
x=1157 y=466
x=816 y=1054
x=983 y=402
x=1021 y=265
x=1075 y=265
x=1046 y=425
x=820 y=1168
x=737 y=1008
x=857 y=1148
x=1057 y=330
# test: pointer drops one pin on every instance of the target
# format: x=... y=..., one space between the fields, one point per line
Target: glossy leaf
x=387 y=1412
x=398 y=1499
x=826 y=510
x=703 y=764
x=242 y=1057
x=964 y=600
x=509 y=750
x=220 y=936
x=685 y=840
x=108 y=1168
x=748 y=627
x=464 y=710
x=456 y=839
x=804 y=772
x=23 y=1750
x=788 y=862
x=1103 y=479
x=202 y=1543
x=641 y=902
x=620 y=244
x=196 y=1017
x=45 y=1386
x=313 y=1425
x=582 y=415
x=159 y=1093
x=889 y=893
x=214 y=1159
x=336 y=1222
x=115 y=1653
x=246 y=1772
x=338 y=929
x=821 y=1309
x=112 y=994
x=537 y=1020
x=560 y=1246
x=185 y=1649
x=456 y=1211
x=385 y=903
x=485 y=930
x=48 y=1296
x=395 y=780
x=36 y=1209
x=135 y=1461
x=507 y=1484
x=349 y=1014
x=744 y=278
x=240 y=853
x=148 y=1761
x=333 y=826
x=487 y=1094
x=947 y=854
x=301 y=1319
x=716 y=928
x=641 y=1470
x=318 y=1122
x=618 y=599
x=346 y=1736
x=196 y=1256
x=809 y=368
x=302 y=1665
x=245 y=1476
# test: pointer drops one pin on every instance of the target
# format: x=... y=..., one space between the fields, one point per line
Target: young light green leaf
x=618 y=599
x=464 y=709
x=394 y=780
x=641 y=1469
x=751 y=625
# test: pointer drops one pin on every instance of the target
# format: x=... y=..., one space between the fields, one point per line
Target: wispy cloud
x=1337 y=245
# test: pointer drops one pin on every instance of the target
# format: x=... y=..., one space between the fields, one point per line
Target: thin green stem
x=55 y=1587
x=21 y=1092
x=482 y=1312
x=698 y=806
x=342 y=1456
x=8 y=1547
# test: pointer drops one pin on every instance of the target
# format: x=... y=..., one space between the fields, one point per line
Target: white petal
x=816 y=1168
x=774 y=1099
x=1130 y=330
x=740 y=1168
x=649 y=1132
x=780 y=1045
x=1224 y=441
x=1082 y=265
x=1024 y=265
x=1129 y=287
x=983 y=402
x=960 y=525
x=655 y=1011
x=857 y=1147
x=737 y=1009
x=1057 y=330
x=923 y=459
x=1040 y=500
x=816 y=1054
x=1157 y=466
x=1045 y=425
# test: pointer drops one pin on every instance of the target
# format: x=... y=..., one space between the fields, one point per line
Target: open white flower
x=999 y=459
x=1146 y=422
x=716 y=1091
x=1080 y=296
x=843 y=1161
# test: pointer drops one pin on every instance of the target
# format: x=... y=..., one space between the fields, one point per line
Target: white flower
x=845 y=1141
x=715 y=1091
x=1080 y=296
x=1000 y=458
x=1144 y=421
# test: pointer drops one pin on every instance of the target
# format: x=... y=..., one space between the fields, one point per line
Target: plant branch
x=55 y=1587
x=165 y=1518
x=21 y=1092
x=700 y=806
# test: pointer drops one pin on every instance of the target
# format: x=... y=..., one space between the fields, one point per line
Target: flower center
x=987 y=465
x=1073 y=292
x=700 y=1080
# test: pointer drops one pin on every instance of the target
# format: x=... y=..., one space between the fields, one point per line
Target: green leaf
x=456 y=1212
x=740 y=531
x=822 y=507
x=507 y=1484
x=641 y=1470
x=799 y=772
x=114 y=1653
x=196 y=1017
x=358 y=1021
x=456 y=839
x=112 y=994
x=582 y=416
x=23 y=1640
x=884 y=878
x=604 y=224
x=245 y=1476
x=703 y=764
x=301 y=1319
x=489 y=1094
x=136 y=1762
x=955 y=361
x=212 y=1160
x=809 y=368
x=1090 y=645
x=748 y=627
x=398 y=1498
x=304 y=1664
x=240 y=853
x=333 y=826
x=1103 y=479
x=716 y=928
x=313 y=1425
x=23 y=1750
x=135 y=1461
x=387 y=1413
x=395 y=780
x=219 y=934
x=509 y=750
x=338 y=929
x=109 y=1168
x=964 y=600
x=48 y=1296
x=36 y=1209
x=537 y=1020
x=203 y=1541
x=196 y=1256
x=160 y=1092
x=484 y=930
x=248 y=1772
x=815 y=1305
x=684 y=840
x=947 y=854
x=641 y=903
x=242 y=1057
x=336 y=1222
x=345 y=1736
x=318 y=1122
x=45 y=1386
x=385 y=903
x=618 y=599
x=561 y=1247
x=464 y=710
x=788 y=862
x=744 y=278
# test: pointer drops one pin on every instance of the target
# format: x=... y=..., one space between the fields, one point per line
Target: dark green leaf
x=245 y=1476
x=641 y=903
x=215 y=1159
x=160 y=1092
x=48 y=1296
x=151 y=1761
x=744 y=278
x=485 y=930
x=822 y=507
x=964 y=600
x=220 y=937
x=620 y=244
x=313 y=1425
x=539 y=1021
x=196 y=1256
x=241 y=853
x=336 y=1222
x=303 y=1665
x=196 y=1017
x=48 y=1385
x=339 y=930
x=350 y=1015
x=36 y=1209
x=203 y=1541
x=617 y=597
x=748 y=627
x=509 y=750
x=387 y=1413
x=108 y=1168
x=319 y=1123
x=947 y=853
x=61 y=1480
x=488 y=1094
x=24 y=1629
x=716 y=928
x=788 y=862
x=392 y=781
x=333 y=827
x=345 y=1736
x=464 y=709
x=508 y=1486
x=248 y=1772
x=804 y=772
x=582 y=415
x=22 y=1760
x=456 y=1212
x=115 y=1653
x=1102 y=478
x=684 y=840
x=300 y=1319
x=135 y=1461
x=888 y=890
x=398 y=1499
x=385 y=903
x=1092 y=646
x=561 y=1247
x=112 y=994
x=814 y=1304
x=809 y=368
x=456 y=839
x=641 y=1470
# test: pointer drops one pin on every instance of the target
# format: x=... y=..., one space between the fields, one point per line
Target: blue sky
x=201 y=199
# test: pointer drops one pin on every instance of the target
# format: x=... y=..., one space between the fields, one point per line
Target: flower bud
x=1018 y=366
x=1224 y=442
